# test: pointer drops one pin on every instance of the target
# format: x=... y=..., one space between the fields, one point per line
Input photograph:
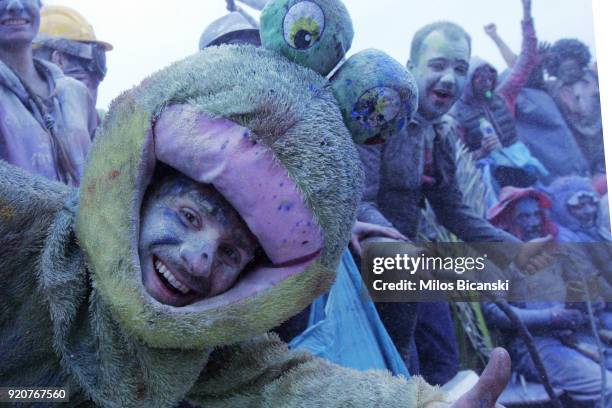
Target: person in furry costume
x=268 y=135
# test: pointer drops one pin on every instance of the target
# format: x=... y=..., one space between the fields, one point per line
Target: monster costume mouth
x=246 y=173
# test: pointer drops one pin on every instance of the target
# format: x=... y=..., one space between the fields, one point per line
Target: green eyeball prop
x=313 y=33
x=377 y=95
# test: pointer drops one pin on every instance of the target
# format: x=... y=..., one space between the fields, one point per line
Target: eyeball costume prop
x=315 y=34
x=377 y=96
x=269 y=135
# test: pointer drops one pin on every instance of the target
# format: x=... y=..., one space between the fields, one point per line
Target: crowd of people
x=533 y=130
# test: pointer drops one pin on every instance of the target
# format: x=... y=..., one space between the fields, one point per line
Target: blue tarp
x=345 y=329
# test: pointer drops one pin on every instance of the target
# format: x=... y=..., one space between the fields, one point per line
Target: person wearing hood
x=539 y=122
x=46 y=119
x=576 y=210
x=560 y=331
x=216 y=202
x=485 y=115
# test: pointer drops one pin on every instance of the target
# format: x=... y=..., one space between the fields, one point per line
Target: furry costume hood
x=287 y=114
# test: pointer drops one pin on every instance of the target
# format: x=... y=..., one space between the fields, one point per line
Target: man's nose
x=448 y=79
x=198 y=258
x=14 y=5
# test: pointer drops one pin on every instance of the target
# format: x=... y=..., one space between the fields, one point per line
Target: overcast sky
x=149 y=35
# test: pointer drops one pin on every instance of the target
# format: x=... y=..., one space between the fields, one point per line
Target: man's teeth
x=14 y=21
x=161 y=268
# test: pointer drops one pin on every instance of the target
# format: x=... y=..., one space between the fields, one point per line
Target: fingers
x=491 y=384
x=355 y=245
x=531 y=249
x=491 y=143
x=364 y=230
x=496 y=374
x=393 y=233
x=493 y=380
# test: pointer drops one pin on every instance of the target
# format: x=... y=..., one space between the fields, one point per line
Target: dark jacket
x=394 y=192
x=499 y=110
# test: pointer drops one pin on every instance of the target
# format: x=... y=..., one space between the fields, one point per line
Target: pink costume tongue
x=222 y=153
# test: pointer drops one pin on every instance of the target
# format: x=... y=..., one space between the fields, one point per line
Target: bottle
x=486 y=128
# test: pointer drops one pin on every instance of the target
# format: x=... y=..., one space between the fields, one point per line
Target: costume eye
x=377 y=106
x=191 y=217
x=229 y=254
x=303 y=25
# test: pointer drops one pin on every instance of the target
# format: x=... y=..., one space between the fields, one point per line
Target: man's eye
x=461 y=70
x=437 y=66
x=191 y=217
x=230 y=254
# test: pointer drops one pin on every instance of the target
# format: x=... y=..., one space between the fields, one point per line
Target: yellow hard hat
x=64 y=22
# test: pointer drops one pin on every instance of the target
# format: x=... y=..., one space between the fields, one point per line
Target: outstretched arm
x=527 y=60
x=264 y=373
x=28 y=205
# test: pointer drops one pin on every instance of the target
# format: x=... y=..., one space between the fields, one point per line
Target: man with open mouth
x=418 y=164
x=193 y=244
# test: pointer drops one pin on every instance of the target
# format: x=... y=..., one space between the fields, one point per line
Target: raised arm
x=527 y=60
x=509 y=56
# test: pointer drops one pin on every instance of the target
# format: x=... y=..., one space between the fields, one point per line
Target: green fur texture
x=55 y=329
x=236 y=377
x=287 y=107
x=280 y=20
x=358 y=84
x=72 y=310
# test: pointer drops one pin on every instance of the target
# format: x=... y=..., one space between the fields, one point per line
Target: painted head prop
x=316 y=34
x=377 y=96
x=267 y=135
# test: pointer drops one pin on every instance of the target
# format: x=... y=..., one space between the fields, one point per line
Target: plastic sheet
x=345 y=329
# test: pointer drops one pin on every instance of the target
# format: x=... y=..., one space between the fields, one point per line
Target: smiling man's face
x=193 y=244
x=441 y=73
x=19 y=21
